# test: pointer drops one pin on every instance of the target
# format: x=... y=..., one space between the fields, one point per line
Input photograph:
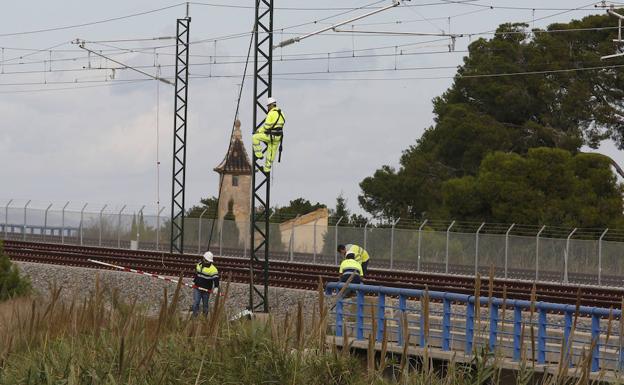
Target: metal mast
x=260 y=197
x=179 y=134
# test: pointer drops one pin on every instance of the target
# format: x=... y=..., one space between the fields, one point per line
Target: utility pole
x=179 y=134
x=261 y=187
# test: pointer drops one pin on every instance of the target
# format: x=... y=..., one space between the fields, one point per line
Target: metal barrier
x=586 y=256
x=504 y=327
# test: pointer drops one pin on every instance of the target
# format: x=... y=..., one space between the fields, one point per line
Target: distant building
x=305 y=227
x=235 y=171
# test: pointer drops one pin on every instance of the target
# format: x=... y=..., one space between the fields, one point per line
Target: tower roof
x=236 y=160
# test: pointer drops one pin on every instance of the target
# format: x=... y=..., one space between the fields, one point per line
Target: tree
x=341 y=210
x=477 y=116
x=299 y=206
x=205 y=203
x=12 y=284
x=548 y=186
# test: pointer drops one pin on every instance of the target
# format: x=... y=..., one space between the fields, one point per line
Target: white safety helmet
x=208 y=257
x=271 y=100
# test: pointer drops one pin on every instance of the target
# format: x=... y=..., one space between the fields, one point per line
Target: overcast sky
x=97 y=142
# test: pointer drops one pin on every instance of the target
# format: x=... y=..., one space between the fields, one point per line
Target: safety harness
x=277 y=132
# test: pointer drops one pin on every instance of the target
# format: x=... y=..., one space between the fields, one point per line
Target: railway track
x=304 y=275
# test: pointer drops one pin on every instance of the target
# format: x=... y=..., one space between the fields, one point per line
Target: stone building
x=306 y=233
x=235 y=172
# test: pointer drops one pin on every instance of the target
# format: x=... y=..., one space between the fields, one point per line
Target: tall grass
x=105 y=339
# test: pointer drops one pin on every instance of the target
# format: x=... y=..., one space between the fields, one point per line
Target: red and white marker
x=162 y=277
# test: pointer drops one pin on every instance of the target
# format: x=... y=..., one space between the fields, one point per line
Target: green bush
x=12 y=284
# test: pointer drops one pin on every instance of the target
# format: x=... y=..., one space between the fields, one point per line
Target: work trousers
x=272 y=147
x=365 y=267
x=200 y=296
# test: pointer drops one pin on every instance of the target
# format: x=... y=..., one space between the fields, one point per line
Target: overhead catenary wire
x=73 y=26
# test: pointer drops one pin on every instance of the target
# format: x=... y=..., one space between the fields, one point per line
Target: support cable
x=240 y=95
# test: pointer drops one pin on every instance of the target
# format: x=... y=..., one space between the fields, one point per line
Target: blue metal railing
x=553 y=334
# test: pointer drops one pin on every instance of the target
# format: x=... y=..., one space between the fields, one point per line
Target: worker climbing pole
x=261 y=189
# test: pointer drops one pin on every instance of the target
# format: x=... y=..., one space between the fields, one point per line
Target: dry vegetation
x=102 y=339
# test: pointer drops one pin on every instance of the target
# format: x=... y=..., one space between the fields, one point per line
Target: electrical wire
x=240 y=95
x=51 y=29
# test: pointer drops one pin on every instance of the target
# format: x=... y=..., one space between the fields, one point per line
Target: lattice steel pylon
x=261 y=188
x=179 y=135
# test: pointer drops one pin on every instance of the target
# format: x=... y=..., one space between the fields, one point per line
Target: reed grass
x=106 y=339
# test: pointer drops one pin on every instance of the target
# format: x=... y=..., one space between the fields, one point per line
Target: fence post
x=365 y=235
x=517 y=333
x=6 y=217
x=565 y=257
x=470 y=313
x=537 y=238
x=567 y=329
x=119 y=227
x=339 y=317
x=158 y=229
x=314 y=255
x=507 y=246
x=360 y=315
x=493 y=326
x=63 y=223
x=600 y=256
x=246 y=225
x=392 y=242
x=419 y=241
x=292 y=239
x=81 y=220
x=381 y=316
x=138 y=228
x=199 y=231
x=595 y=334
x=446 y=259
x=45 y=221
x=221 y=237
x=477 y=248
x=24 y=228
x=403 y=333
x=336 y=241
x=101 y=224
x=541 y=336
x=446 y=324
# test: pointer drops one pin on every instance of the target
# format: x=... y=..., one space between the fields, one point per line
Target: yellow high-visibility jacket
x=348 y=266
x=361 y=255
x=206 y=277
x=274 y=120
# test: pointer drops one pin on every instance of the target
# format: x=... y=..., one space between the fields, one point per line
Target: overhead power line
x=277 y=76
x=65 y=27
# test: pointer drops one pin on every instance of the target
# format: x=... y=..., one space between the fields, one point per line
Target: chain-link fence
x=547 y=254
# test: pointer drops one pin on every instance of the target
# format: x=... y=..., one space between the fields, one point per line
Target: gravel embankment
x=148 y=291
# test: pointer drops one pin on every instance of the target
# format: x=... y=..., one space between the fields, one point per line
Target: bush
x=12 y=284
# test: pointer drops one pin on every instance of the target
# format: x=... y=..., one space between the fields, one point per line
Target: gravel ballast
x=149 y=291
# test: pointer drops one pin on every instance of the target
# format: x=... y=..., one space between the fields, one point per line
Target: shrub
x=12 y=284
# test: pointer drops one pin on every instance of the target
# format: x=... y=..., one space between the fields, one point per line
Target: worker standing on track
x=348 y=267
x=271 y=133
x=361 y=255
x=206 y=277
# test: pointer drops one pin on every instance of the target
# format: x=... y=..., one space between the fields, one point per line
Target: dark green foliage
x=299 y=206
x=449 y=171
x=11 y=283
x=204 y=203
x=547 y=186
